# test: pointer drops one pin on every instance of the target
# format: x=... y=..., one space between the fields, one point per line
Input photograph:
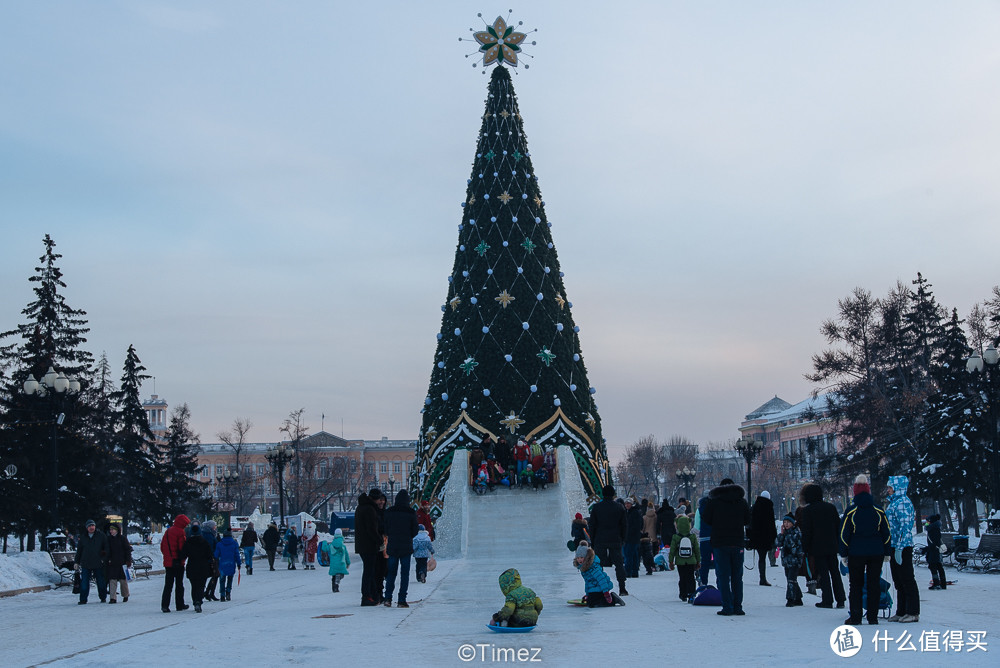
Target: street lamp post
x=392 y=487
x=227 y=478
x=278 y=457
x=749 y=448
x=975 y=365
x=686 y=476
x=53 y=384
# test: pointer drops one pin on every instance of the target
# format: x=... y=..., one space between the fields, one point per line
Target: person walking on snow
x=727 y=513
x=819 y=524
x=271 y=541
x=91 y=556
x=171 y=546
x=933 y=553
x=607 y=529
x=901 y=516
x=248 y=541
x=400 y=523
x=119 y=558
x=291 y=553
x=198 y=554
x=227 y=552
x=340 y=559
x=792 y=554
x=423 y=548
x=762 y=532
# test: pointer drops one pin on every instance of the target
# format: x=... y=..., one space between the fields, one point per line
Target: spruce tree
x=50 y=453
x=508 y=359
x=183 y=491
x=952 y=461
x=136 y=466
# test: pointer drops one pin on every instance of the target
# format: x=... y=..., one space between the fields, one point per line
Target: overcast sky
x=264 y=197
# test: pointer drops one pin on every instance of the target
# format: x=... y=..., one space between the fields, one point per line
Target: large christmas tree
x=508 y=359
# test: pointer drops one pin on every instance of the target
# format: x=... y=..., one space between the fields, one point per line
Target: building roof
x=813 y=405
x=775 y=405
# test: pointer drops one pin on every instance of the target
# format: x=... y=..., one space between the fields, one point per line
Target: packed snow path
x=292 y=618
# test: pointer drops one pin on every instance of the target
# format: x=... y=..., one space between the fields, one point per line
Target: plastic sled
x=577 y=602
x=510 y=629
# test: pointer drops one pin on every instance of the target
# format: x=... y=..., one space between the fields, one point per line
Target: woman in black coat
x=119 y=556
x=199 y=564
x=665 y=518
x=932 y=553
x=762 y=532
x=271 y=539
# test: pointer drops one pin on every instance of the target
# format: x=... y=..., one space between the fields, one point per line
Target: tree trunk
x=949 y=526
x=31 y=541
x=972 y=512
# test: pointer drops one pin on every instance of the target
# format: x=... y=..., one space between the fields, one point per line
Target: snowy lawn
x=275 y=619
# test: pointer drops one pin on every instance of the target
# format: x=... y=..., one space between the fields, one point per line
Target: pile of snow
x=21 y=570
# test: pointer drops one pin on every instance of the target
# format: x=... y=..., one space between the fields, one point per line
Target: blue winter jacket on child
x=595 y=580
x=227 y=551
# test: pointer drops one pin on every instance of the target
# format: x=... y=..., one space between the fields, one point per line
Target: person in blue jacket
x=901 y=515
x=227 y=551
x=865 y=544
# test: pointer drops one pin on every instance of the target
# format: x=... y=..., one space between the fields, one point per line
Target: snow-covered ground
x=291 y=617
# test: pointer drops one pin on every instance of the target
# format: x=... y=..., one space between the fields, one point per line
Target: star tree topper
x=499 y=43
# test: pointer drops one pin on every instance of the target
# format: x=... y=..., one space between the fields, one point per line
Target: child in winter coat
x=227 y=551
x=521 y=605
x=423 y=548
x=596 y=582
x=291 y=553
x=792 y=554
x=526 y=477
x=932 y=553
x=662 y=559
x=340 y=559
x=646 y=552
x=685 y=552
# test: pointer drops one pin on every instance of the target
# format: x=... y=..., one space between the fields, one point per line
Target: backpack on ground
x=706 y=595
x=685 y=549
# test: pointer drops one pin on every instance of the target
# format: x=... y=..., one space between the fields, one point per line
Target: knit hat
x=579 y=516
x=339 y=532
x=861 y=484
x=582 y=549
x=421 y=527
x=91 y=523
x=789 y=517
x=766 y=494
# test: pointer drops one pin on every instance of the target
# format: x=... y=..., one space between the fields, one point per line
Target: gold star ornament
x=505 y=197
x=512 y=422
x=455 y=302
x=505 y=299
x=560 y=301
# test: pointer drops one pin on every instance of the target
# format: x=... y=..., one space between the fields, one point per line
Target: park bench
x=63 y=563
x=985 y=557
x=142 y=566
x=948 y=540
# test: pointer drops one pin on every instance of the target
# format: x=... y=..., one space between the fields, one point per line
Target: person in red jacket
x=522 y=453
x=424 y=517
x=173 y=563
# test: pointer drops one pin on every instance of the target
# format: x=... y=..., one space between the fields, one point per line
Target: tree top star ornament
x=499 y=43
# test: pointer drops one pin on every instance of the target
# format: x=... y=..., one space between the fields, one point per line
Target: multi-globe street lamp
x=278 y=457
x=392 y=487
x=57 y=386
x=749 y=448
x=975 y=365
x=227 y=478
x=686 y=476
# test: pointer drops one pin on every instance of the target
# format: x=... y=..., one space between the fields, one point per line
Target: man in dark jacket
x=171 y=547
x=728 y=514
x=820 y=524
x=633 y=535
x=607 y=528
x=400 y=527
x=199 y=558
x=865 y=543
x=367 y=544
x=762 y=532
x=271 y=539
x=91 y=555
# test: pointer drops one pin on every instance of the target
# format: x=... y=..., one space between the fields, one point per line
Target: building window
x=371 y=468
x=261 y=470
x=218 y=469
x=397 y=467
x=383 y=467
x=354 y=466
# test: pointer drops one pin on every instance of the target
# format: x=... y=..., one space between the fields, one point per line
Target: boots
x=811 y=587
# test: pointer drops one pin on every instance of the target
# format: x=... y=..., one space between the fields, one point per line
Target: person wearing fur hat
x=521 y=605
x=607 y=529
x=423 y=548
x=727 y=512
x=271 y=540
x=819 y=524
x=792 y=555
x=865 y=543
x=933 y=553
x=762 y=532
x=340 y=559
x=901 y=515
x=119 y=558
x=685 y=552
x=596 y=583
